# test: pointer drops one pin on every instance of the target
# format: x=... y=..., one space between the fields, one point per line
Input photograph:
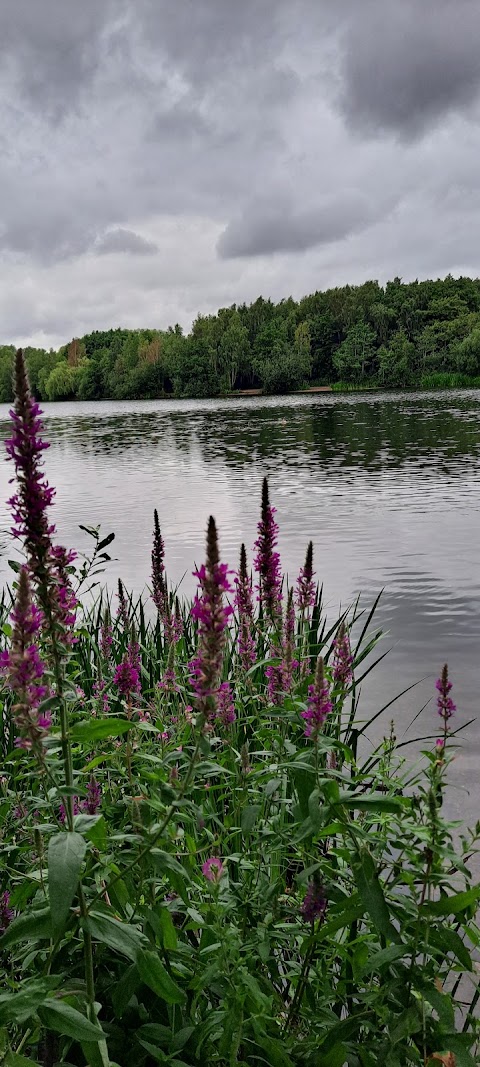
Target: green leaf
x=440 y=1002
x=383 y=958
x=14 y=1059
x=66 y=852
x=409 y=1022
x=155 y=975
x=98 y=729
x=249 y=817
x=124 y=989
x=19 y=1007
x=169 y=933
x=119 y=936
x=459 y=1044
x=373 y=802
x=304 y=780
x=106 y=542
x=453 y=905
x=448 y=940
x=59 y=1016
x=166 y=862
x=33 y=926
x=371 y=893
x=277 y=1057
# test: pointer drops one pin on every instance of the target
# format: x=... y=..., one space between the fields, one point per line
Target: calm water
x=386 y=485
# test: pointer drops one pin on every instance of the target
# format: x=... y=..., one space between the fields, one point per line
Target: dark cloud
x=53 y=48
x=264 y=227
x=125 y=241
x=406 y=64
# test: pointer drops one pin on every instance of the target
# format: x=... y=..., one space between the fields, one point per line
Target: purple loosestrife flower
x=126 y=678
x=306 y=586
x=213 y=870
x=62 y=814
x=34 y=495
x=314 y=903
x=212 y=617
x=445 y=704
x=176 y=623
x=23 y=669
x=101 y=696
x=280 y=675
x=159 y=587
x=168 y=682
x=289 y=663
x=319 y=704
x=274 y=674
x=48 y=564
x=342 y=658
x=6 y=912
x=66 y=602
x=122 y=610
x=225 y=706
x=133 y=652
x=93 y=799
x=244 y=605
x=267 y=559
x=106 y=636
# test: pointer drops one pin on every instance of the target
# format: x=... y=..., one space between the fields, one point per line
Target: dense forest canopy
x=414 y=334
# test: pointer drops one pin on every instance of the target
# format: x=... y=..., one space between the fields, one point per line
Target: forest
x=420 y=334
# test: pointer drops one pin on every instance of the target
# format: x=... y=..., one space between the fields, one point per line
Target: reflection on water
x=386 y=485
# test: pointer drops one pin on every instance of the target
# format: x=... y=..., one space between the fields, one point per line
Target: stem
x=156 y=837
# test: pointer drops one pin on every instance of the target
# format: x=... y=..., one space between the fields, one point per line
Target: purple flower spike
x=6 y=912
x=93 y=799
x=244 y=605
x=306 y=586
x=212 y=616
x=319 y=704
x=267 y=559
x=23 y=669
x=122 y=610
x=225 y=706
x=342 y=658
x=445 y=704
x=126 y=678
x=314 y=904
x=168 y=682
x=159 y=588
x=34 y=495
x=213 y=870
x=106 y=636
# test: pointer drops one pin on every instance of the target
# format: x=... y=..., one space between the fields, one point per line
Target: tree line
x=416 y=334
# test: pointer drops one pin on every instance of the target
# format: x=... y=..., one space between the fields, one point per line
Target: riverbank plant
x=204 y=861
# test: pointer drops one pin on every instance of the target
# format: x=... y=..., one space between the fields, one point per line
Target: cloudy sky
x=164 y=157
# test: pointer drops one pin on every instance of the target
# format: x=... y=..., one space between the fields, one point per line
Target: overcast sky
x=164 y=157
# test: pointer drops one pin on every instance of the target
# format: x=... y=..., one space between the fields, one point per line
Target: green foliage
x=122 y=951
x=393 y=336
x=62 y=382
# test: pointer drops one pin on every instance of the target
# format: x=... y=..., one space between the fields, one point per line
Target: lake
x=386 y=485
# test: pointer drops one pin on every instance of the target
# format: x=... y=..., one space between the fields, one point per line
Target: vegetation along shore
x=204 y=860
x=421 y=334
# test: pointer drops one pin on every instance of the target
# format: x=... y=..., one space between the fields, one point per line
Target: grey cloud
x=125 y=241
x=406 y=64
x=265 y=227
x=186 y=118
x=53 y=48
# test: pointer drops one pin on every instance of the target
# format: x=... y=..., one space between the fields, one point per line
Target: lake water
x=386 y=485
